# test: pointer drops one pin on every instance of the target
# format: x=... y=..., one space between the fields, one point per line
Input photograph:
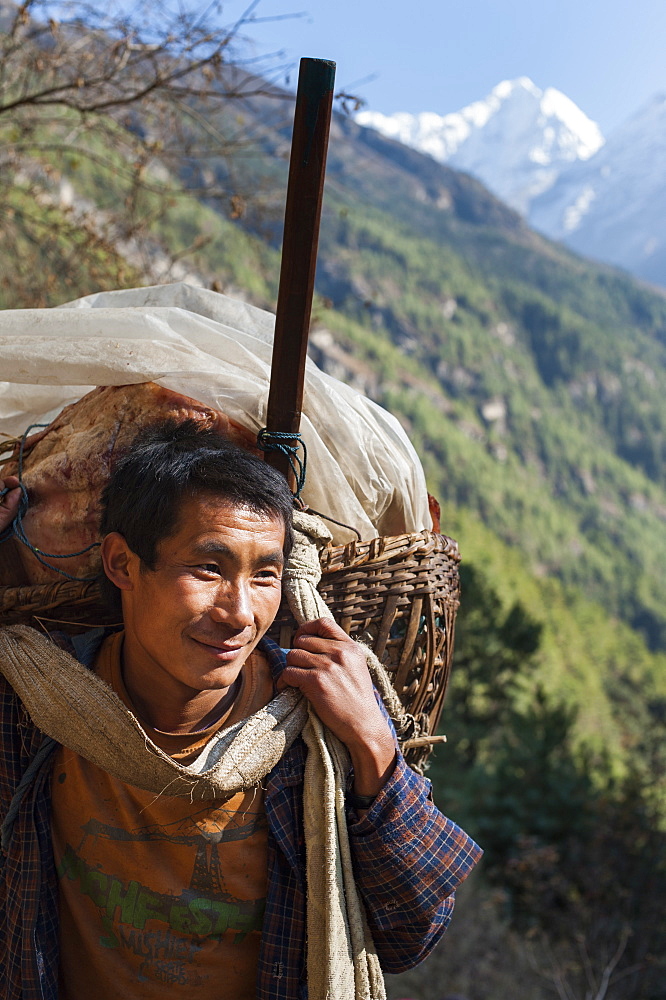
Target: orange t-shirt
x=158 y=895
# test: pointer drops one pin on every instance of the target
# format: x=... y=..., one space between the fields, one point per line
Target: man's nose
x=233 y=606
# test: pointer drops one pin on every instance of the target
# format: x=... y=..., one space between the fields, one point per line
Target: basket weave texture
x=398 y=594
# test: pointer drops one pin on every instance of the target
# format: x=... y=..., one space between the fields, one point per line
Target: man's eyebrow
x=272 y=559
x=213 y=548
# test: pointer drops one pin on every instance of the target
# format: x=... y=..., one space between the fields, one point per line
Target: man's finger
x=293 y=677
x=315 y=644
x=305 y=659
x=7 y=486
x=325 y=628
x=9 y=491
x=9 y=497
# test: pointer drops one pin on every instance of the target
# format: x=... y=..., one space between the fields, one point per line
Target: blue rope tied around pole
x=17 y=530
x=281 y=441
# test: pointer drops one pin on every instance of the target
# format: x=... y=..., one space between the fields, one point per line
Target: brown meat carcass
x=67 y=464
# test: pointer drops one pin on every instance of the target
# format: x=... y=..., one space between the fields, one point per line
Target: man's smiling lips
x=222 y=650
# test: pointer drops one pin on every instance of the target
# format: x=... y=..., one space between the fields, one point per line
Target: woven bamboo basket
x=399 y=594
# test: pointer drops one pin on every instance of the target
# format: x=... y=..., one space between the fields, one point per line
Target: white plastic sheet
x=362 y=469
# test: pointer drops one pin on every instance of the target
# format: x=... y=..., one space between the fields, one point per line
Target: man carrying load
x=113 y=890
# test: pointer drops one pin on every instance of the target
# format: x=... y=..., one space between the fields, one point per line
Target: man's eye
x=269 y=574
x=209 y=568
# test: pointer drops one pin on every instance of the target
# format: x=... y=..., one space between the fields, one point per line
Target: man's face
x=193 y=621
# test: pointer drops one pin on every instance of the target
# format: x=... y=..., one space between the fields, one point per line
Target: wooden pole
x=305 y=189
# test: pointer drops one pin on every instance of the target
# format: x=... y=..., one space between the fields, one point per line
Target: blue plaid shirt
x=408 y=860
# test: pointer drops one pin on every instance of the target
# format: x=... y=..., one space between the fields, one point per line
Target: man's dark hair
x=170 y=462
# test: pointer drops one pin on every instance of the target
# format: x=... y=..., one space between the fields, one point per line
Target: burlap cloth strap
x=74 y=707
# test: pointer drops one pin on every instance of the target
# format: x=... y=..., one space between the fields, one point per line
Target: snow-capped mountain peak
x=516 y=140
x=541 y=154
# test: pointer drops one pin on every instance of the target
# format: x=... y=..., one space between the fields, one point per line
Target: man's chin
x=213 y=680
x=219 y=666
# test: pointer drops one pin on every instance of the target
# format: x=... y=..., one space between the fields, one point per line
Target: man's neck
x=178 y=712
x=187 y=719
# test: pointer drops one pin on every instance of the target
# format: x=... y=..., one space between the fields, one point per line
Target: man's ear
x=118 y=560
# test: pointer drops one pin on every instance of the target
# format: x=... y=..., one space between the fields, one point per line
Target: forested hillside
x=533 y=385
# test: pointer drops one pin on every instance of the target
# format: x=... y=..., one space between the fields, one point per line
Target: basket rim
x=383 y=547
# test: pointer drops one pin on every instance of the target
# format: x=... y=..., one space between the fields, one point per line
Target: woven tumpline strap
x=73 y=706
x=342 y=962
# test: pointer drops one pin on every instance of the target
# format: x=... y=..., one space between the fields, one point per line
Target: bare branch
x=612 y=964
x=587 y=965
x=135 y=106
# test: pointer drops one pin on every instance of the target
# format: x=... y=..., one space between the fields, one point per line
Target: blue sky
x=609 y=56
